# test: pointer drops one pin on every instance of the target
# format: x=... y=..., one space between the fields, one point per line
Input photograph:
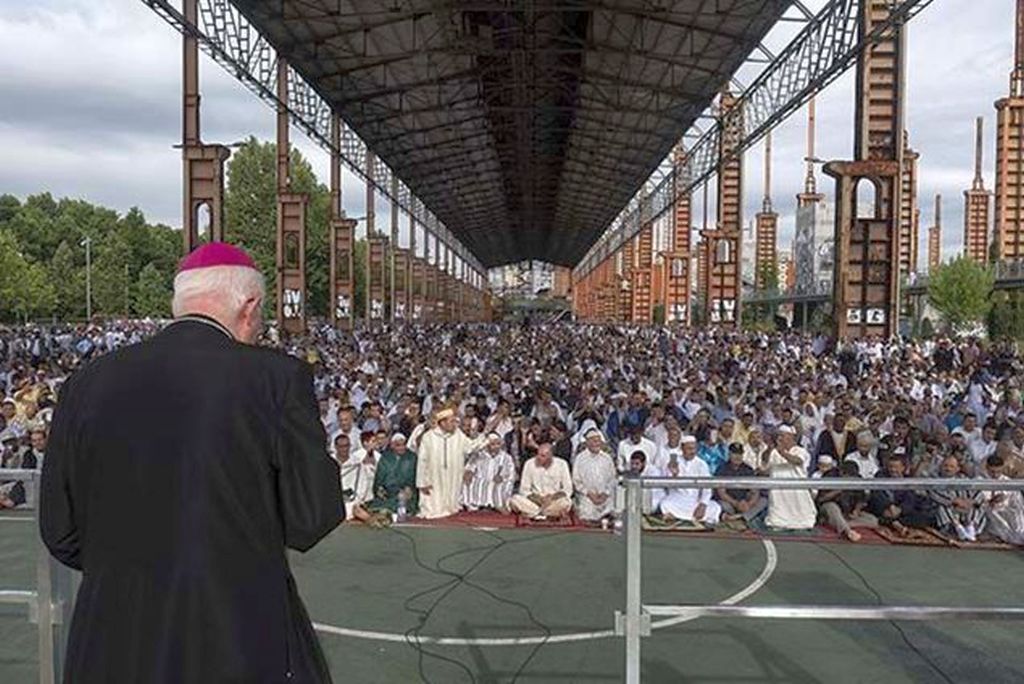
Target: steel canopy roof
x=525 y=126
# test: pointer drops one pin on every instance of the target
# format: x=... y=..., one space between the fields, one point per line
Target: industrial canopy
x=525 y=126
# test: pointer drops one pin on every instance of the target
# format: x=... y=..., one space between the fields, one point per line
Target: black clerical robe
x=177 y=472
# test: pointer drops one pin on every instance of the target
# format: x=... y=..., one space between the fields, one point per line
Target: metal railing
x=635 y=622
x=51 y=604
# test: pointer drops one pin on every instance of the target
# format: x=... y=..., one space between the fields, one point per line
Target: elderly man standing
x=441 y=462
x=489 y=477
x=594 y=479
x=178 y=471
x=545 y=488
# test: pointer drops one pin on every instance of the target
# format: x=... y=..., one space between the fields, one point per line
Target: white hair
x=228 y=286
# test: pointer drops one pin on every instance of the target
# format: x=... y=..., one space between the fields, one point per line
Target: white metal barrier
x=51 y=604
x=635 y=622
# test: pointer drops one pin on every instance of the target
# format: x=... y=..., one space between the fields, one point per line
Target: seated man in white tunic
x=594 y=479
x=545 y=488
x=489 y=477
x=789 y=509
x=689 y=503
x=356 y=479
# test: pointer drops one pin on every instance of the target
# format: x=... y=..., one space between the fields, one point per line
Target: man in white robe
x=356 y=478
x=686 y=503
x=594 y=478
x=789 y=509
x=1006 y=508
x=545 y=489
x=441 y=462
x=636 y=440
x=489 y=477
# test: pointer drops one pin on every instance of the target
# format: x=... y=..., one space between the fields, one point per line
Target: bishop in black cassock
x=178 y=472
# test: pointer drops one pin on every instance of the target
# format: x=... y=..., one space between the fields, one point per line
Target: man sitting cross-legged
x=545 y=489
x=594 y=479
x=906 y=511
x=739 y=504
x=689 y=503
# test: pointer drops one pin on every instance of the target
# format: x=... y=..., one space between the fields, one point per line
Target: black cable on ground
x=455 y=580
x=899 y=629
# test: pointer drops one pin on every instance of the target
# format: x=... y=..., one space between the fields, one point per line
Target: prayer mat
x=915 y=538
x=957 y=543
x=565 y=522
x=653 y=523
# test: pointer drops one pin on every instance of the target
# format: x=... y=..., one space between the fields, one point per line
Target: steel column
x=291 y=226
x=723 y=258
x=865 y=292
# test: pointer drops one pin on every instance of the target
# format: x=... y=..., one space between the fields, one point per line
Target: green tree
x=152 y=295
x=960 y=289
x=1006 y=318
x=68 y=279
x=9 y=206
x=111 y=276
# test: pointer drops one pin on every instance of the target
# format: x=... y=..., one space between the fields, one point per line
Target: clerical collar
x=206 y=320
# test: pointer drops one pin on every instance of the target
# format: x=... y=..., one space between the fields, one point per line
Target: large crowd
x=540 y=421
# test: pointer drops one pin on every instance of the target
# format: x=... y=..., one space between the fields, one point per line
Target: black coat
x=177 y=472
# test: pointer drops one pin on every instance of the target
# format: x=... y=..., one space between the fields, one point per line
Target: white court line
x=771 y=561
x=5 y=518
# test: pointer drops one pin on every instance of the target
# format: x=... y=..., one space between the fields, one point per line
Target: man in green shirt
x=396 y=474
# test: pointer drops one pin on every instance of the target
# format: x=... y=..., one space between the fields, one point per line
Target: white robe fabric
x=482 y=491
x=680 y=503
x=1006 y=518
x=627 y=447
x=358 y=478
x=790 y=509
x=441 y=460
x=594 y=473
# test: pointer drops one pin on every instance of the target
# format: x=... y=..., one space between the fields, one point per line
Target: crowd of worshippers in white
x=449 y=465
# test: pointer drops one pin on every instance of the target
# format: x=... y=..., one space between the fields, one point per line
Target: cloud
x=91 y=108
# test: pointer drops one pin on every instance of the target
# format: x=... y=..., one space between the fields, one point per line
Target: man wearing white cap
x=489 y=477
x=594 y=479
x=689 y=503
x=789 y=509
x=441 y=463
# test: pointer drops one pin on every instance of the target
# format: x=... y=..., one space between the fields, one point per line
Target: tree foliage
x=960 y=290
x=42 y=257
x=1006 y=318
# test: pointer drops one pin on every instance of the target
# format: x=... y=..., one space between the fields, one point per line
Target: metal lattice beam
x=229 y=39
x=826 y=47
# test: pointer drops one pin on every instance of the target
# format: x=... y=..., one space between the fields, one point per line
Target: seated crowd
x=542 y=421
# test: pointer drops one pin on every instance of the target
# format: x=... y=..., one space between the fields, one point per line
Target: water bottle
x=402 y=513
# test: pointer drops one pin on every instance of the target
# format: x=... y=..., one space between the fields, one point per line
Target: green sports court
x=537 y=605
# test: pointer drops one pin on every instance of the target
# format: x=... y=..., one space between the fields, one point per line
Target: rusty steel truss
x=827 y=46
x=230 y=39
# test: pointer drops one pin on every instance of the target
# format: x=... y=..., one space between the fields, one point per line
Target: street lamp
x=87 y=243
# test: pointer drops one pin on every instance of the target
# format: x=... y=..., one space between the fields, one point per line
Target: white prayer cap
x=594 y=432
x=9 y=400
x=494 y=437
x=788 y=429
x=825 y=459
x=397 y=438
x=688 y=439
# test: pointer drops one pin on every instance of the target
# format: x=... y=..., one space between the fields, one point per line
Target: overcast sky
x=90 y=108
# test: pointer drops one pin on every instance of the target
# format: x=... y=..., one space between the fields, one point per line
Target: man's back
x=177 y=472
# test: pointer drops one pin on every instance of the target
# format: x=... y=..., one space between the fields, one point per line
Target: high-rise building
x=977 y=201
x=909 y=217
x=1009 y=192
x=935 y=238
x=766 y=229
